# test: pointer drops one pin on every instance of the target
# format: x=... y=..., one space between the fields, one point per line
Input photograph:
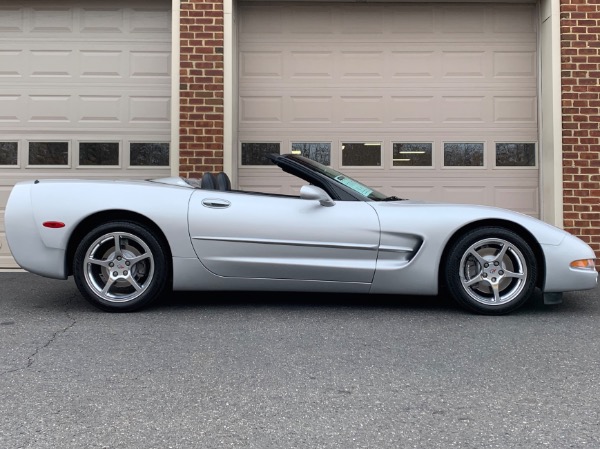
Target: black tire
x=490 y=270
x=120 y=280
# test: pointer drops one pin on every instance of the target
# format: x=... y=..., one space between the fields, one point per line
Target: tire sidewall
x=159 y=279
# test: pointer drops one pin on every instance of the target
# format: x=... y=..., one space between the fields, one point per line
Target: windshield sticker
x=354 y=185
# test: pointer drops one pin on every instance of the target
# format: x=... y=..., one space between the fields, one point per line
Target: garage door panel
x=102 y=20
x=362 y=65
x=11 y=19
x=515 y=20
x=48 y=108
x=308 y=20
x=469 y=194
x=149 y=109
x=50 y=63
x=524 y=199
x=410 y=110
x=516 y=109
x=515 y=65
x=105 y=109
x=311 y=110
x=11 y=109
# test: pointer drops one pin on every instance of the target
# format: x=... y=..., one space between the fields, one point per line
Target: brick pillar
x=201 y=85
x=580 y=52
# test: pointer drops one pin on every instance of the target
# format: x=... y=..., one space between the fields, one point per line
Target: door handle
x=215 y=203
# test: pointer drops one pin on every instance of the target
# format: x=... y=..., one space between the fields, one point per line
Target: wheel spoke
x=475 y=280
x=134 y=260
x=511 y=274
x=477 y=256
x=496 y=291
x=102 y=263
x=133 y=283
x=117 y=239
x=107 y=286
x=502 y=253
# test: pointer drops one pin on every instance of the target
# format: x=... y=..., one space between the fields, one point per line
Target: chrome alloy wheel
x=493 y=271
x=118 y=267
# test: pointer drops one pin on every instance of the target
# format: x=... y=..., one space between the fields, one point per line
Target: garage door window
x=463 y=154
x=9 y=154
x=412 y=154
x=149 y=154
x=255 y=153
x=51 y=154
x=96 y=154
x=361 y=154
x=317 y=151
x=515 y=154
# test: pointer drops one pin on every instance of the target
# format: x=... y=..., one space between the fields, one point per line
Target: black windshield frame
x=332 y=181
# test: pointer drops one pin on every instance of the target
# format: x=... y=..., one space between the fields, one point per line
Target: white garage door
x=84 y=92
x=433 y=101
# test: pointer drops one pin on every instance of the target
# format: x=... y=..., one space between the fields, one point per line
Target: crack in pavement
x=31 y=359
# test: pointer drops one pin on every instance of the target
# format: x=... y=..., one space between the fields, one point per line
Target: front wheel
x=120 y=267
x=491 y=271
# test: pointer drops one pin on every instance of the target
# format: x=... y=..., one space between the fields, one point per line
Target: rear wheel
x=491 y=271
x=120 y=267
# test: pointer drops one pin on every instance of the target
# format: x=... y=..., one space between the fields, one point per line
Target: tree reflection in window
x=99 y=153
x=463 y=154
x=48 y=153
x=318 y=152
x=255 y=153
x=155 y=154
x=9 y=153
x=515 y=155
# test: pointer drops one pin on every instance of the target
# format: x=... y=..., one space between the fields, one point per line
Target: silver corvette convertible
x=338 y=235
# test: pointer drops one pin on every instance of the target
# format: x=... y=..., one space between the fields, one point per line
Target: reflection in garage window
x=151 y=154
x=48 y=153
x=98 y=153
x=365 y=154
x=255 y=153
x=9 y=153
x=412 y=154
x=515 y=155
x=463 y=154
x=319 y=152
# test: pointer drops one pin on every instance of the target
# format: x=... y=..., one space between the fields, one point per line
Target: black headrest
x=208 y=182
x=223 y=182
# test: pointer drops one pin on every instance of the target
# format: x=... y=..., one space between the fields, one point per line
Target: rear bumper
x=24 y=240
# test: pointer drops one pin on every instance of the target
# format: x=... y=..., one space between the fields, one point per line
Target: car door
x=249 y=235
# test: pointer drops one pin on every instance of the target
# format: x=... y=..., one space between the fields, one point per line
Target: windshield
x=342 y=179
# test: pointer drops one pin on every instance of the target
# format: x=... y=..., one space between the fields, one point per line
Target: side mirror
x=316 y=193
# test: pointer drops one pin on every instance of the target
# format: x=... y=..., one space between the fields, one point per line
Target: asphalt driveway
x=294 y=371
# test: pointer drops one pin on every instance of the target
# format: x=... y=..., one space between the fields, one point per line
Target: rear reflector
x=53 y=224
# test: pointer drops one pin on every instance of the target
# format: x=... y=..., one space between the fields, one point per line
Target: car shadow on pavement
x=290 y=300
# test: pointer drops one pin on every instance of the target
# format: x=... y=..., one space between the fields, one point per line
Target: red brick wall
x=580 y=48
x=201 y=84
